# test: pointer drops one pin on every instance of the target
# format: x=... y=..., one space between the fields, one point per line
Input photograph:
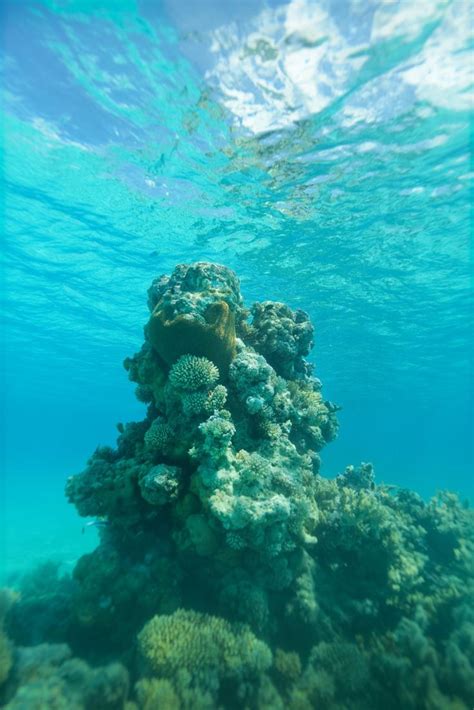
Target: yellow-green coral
x=288 y=665
x=154 y=693
x=209 y=649
x=204 y=402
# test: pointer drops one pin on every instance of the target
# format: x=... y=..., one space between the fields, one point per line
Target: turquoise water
x=319 y=149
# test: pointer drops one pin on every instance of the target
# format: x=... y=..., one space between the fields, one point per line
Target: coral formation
x=191 y=373
x=161 y=484
x=284 y=337
x=202 y=653
x=47 y=676
x=7 y=598
x=194 y=312
x=229 y=572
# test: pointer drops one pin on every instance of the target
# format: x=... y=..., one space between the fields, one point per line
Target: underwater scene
x=237 y=350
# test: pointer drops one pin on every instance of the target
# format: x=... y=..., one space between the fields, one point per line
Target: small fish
x=95 y=524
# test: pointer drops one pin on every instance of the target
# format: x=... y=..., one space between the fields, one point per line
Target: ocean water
x=319 y=148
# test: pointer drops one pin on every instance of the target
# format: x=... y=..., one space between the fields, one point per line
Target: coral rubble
x=230 y=573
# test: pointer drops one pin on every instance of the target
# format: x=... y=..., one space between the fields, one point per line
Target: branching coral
x=159 y=436
x=116 y=592
x=201 y=650
x=153 y=693
x=191 y=373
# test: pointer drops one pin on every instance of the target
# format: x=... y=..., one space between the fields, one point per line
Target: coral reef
x=202 y=653
x=47 y=676
x=7 y=598
x=284 y=337
x=191 y=373
x=230 y=573
x=194 y=312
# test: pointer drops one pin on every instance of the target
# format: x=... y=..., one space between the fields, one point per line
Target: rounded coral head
x=194 y=312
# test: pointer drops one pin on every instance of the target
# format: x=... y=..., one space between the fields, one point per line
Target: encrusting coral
x=230 y=573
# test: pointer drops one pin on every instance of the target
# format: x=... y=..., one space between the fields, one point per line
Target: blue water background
x=320 y=149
